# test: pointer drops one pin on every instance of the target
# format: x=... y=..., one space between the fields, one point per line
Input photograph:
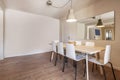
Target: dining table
x=87 y=50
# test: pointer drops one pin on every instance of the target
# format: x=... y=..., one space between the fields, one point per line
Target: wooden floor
x=38 y=67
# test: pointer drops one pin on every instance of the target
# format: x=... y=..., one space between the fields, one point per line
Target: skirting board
x=29 y=53
x=115 y=67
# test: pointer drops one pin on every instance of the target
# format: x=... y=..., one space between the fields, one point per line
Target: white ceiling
x=40 y=7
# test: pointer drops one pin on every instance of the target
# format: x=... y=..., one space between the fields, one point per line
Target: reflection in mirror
x=99 y=27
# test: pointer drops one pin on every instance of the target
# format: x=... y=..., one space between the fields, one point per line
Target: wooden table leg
x=100 y=68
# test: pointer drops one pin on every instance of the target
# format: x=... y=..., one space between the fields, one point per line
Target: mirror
x=100 y=27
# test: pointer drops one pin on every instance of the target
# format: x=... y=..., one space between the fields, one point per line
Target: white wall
x=68 y=30
x=27 y=33
x=81 y=32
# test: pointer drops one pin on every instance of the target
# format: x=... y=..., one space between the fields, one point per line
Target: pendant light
x=100 y=23
x=71 y=16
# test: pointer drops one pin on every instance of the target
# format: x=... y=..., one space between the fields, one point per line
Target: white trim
x=29 y=53
x=115 y=67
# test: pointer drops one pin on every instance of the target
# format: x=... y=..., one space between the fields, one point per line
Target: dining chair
x=60 y=51
x=78 y=43
x=71 y=54
x=54 y=49
x=105 y=61
x=89 y=44
x=71 y=42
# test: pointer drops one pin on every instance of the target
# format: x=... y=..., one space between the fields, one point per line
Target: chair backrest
x=70 y=51
x=60 y=48
x=56 y=41
x=78 y=43
x=54 y=44
x=107 y=54
x=89 y=44
x=71 y=42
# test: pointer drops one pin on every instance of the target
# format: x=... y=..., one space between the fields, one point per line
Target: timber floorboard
x=39 y=67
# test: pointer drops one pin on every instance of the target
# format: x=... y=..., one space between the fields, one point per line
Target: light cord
x=63 y=5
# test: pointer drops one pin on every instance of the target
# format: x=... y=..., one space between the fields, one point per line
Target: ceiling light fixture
x=100 y=23
x=70 y=17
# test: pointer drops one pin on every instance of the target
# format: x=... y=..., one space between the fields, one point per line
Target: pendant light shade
x=71 y=17
x=100 y=23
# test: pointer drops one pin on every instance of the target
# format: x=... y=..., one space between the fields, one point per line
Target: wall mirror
x=100 y=27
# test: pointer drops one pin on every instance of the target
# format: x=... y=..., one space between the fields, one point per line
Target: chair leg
x=60 y=57
x=96 y=66
x=104 y=72
x=112 y=70
x=64 y=61
x=92 y=67
x=75 y=66
x=84 y=69
x=56 y=59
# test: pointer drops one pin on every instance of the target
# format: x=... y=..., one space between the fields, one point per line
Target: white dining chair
x=54 y=49
x=105 y=61
x=78 y=43
x=71 y=54
x=60 y=51
x=89 y=44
